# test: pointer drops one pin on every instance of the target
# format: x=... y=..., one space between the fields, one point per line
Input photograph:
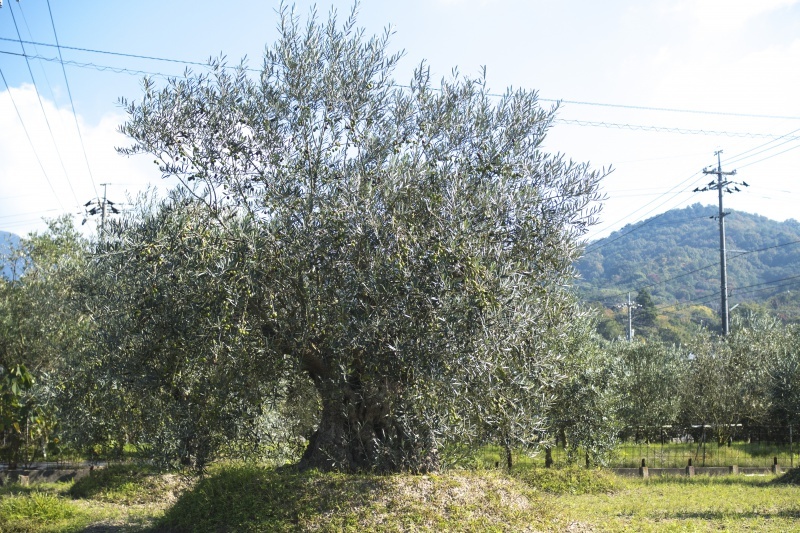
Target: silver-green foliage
x=409 y=247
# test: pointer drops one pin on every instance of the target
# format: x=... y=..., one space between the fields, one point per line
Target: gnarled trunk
x=362 y=428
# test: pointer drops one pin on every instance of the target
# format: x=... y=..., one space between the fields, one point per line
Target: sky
x=651 y=89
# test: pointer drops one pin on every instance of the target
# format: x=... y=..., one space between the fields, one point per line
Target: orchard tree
x=650 y=377
x=177 y=366
x=39 y=327
x=411 y=245
x=583 y=417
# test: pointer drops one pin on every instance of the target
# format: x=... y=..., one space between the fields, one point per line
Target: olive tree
x=414 y=243
x=651 y=380
x=39 y=327
x=583 y=417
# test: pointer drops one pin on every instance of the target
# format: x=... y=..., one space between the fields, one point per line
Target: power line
x=737 y=157
x=591 y=248
x=101 y=68
x=41 y=105
x=562 y=101
x=742 y=155
x=770 y=157
x=71 y=102
x=671 y=110
x=664 y=129
x=44 y=71
x=30 y=141
x=118 y=54
x=684 y=274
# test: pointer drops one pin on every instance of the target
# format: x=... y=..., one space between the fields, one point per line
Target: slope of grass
x=259 y=498
x=247 y=498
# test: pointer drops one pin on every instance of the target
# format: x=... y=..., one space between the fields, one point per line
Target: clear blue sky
x=698 y=65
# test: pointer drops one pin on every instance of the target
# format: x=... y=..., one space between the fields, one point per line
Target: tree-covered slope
x=675 y=256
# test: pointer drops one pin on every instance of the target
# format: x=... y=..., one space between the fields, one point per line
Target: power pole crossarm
x=102 y=207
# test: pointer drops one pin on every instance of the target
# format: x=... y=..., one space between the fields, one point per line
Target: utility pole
x=722 y=185
x=102 y=207
x=631 y=306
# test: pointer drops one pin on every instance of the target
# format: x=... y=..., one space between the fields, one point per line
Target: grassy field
x=251 y=498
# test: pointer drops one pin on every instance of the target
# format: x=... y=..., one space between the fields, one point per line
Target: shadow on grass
x=115 y=478
x=252 y=498
x=725 y=480
x=727 y=515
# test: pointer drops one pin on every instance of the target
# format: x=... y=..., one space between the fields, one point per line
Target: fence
x=672 y=447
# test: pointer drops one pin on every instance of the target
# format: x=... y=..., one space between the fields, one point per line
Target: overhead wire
x=44 y=71
x=561 y=101
x=742 y=155
x=41 y=105
x=596 y=246
x=30 y=141
x=671 y=110
x=119 y=54
x=100 y=68
x=773 y=138
x=770 y=156
x=72 y=103
x=738 y=291
x=663 y=129
x=734 y=158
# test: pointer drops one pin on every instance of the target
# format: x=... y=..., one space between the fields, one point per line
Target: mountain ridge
x=675 y=256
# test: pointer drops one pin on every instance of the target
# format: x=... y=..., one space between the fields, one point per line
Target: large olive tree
x=414 y=243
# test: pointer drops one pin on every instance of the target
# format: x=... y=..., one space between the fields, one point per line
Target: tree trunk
x=363 y=429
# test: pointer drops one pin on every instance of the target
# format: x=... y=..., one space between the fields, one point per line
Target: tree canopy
x=407 y=248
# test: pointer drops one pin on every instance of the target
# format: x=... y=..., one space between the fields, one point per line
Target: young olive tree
x=414 y=243
x=583 y=416
x=651 y=379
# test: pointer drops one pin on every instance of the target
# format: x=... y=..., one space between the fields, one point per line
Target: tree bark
x=361 y=428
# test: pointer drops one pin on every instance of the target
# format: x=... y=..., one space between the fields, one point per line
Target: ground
x=259 y=498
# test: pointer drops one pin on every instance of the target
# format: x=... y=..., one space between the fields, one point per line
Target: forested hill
x=8 y=241
x=675 y=256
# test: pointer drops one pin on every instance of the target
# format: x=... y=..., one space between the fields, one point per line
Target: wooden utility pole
x=722 y=185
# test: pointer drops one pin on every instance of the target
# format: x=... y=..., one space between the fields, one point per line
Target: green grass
x=127 y=484
x=247 y=498
x=701 y=503
x=40 y=508
x=668 y=455
x=235 y=497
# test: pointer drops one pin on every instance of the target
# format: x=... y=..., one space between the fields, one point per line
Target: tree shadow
x=263 y=499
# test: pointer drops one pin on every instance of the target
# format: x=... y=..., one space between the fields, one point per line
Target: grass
x=247 y=498
x=235 y=497
x=701 y=503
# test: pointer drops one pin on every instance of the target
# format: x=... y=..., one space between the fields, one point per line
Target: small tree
x=414 y=245
x=584 y=411
x=39 y=329
x=646 y=314
x=650 y=377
